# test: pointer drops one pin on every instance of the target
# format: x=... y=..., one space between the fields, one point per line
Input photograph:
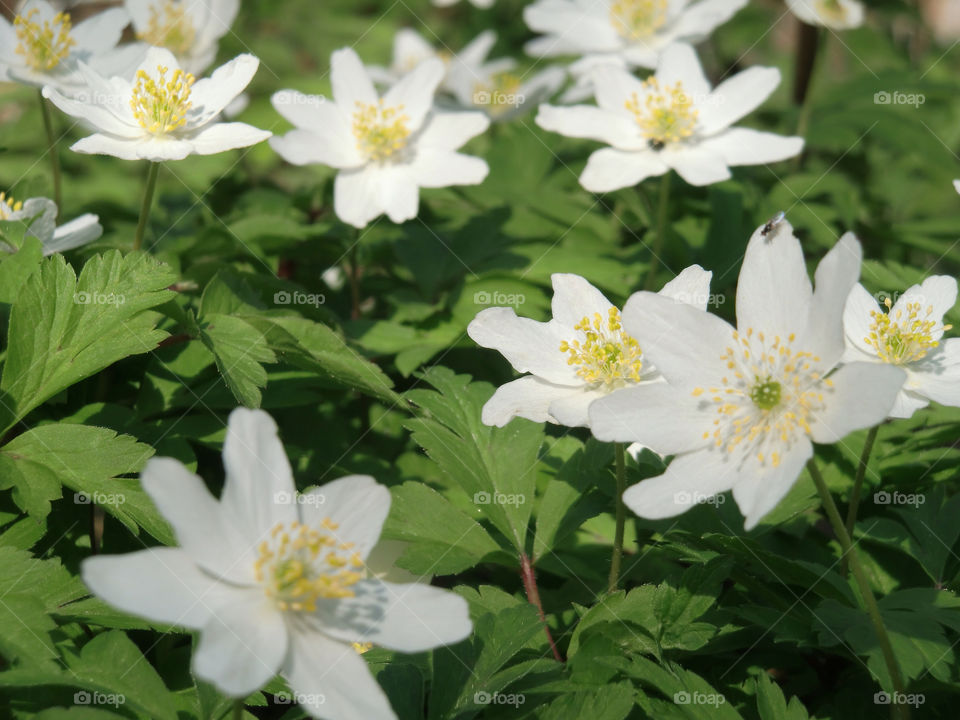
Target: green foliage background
x=90 y=392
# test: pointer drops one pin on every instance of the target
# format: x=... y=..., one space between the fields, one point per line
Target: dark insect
x=772 y=223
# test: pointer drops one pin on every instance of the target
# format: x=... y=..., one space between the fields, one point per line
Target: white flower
x=672 y=120
x=276 y=582
x=410 y=49
x=956 y=185
x=582 y=354
x=834 y=14
x=742 y=407
x=190 y=29
x=636 y=30
x=483 y=4
x=163 y=114
x=386 y=148
x=43 y=47
x=908 y=335
x=40 y=216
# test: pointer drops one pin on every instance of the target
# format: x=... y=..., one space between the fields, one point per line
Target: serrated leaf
x=238 y=348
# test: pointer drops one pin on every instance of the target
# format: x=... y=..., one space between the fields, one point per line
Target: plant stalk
x=52 y=150
x=858 y=486
x=621 y=514
x=533 y=597
x=147 y=203
x=659 y=240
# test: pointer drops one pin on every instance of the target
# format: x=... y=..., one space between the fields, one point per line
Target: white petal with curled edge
x=528 y=397
x=691 y=286
x=573 y=409
x=79 y=231
x=211 y=95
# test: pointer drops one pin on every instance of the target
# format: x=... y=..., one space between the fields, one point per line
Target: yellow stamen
x=380 y=131
x=666 y=114
x=8 y=206
x=161 y=105
x=905 y=336
x=43 y=45
x=606 y=355
x=638 y=19
x=170 y=27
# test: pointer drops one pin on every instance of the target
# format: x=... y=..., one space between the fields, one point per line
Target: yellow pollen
x=665 y=115
x=606 y=355
x=380 y=131
x=362 y=647
x=43 y=45
x=170 y=27
x=638 y=19
x=161 y=105
x=296 y=567
x=905 y=336
x=8 y=206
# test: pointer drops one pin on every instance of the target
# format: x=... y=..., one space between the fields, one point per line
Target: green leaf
x=88 y=460
x=443 y=540
x=611 y=702
x=772 y=705
x=238 y=348
x=64 y=329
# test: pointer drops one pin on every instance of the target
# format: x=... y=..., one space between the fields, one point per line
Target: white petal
x=259 y=482
x=242 y=645
x=477 y=50
x=306 y=147
x=613 y=85
x=574 y=299
x=690 y=479
x=573 y=409
x=610 y=169
x=77 y=232
x=409 y=50
x=356 y=195
x=774 y=293
x=41 y=214
x=592 y=123
x=574 y=29
x=121 y=62
x=350 y=81
x=683 y=342
x=332 y=681
x=160 y=584
x=737 y=97
x=936 y=295
x=99 y=144
x=761 y=487
x=399 y=194
x=415 y=92
x=861 y=397
x=221 y=137
x=691 y=286
x=527 y=397
x=442 y=168
x=937 y=376
x=202 y=529
x=907 y=403
x=139 y=13
x=99 y=32
x=696 y=164
x=97 y=116
x=528 y=345
x=857 y=319
x=700 y=19
x=836 y=275
x=450 y=130
x=211 y=95
x=743 y=146
x=408 y=618
x=158 y=149
x=356 y=504
x=679 y=63
x=662 y=417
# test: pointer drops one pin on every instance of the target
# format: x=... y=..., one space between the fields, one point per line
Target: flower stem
x=533 y=597
x=148 y=191
x=354 y=276
x=858 y=486
x=866 y=593
x=661 y=231
x=808 y=46
x=238 y=710
x=52 y=150
x=621 y=511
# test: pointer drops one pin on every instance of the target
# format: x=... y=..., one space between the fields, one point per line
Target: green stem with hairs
x=621 y=514
x=147 y=203
x=898 y=711
x=659 y=239
x=52 y=150
x=858 y=485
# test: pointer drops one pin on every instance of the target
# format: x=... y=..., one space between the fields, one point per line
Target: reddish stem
x=533 y=597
